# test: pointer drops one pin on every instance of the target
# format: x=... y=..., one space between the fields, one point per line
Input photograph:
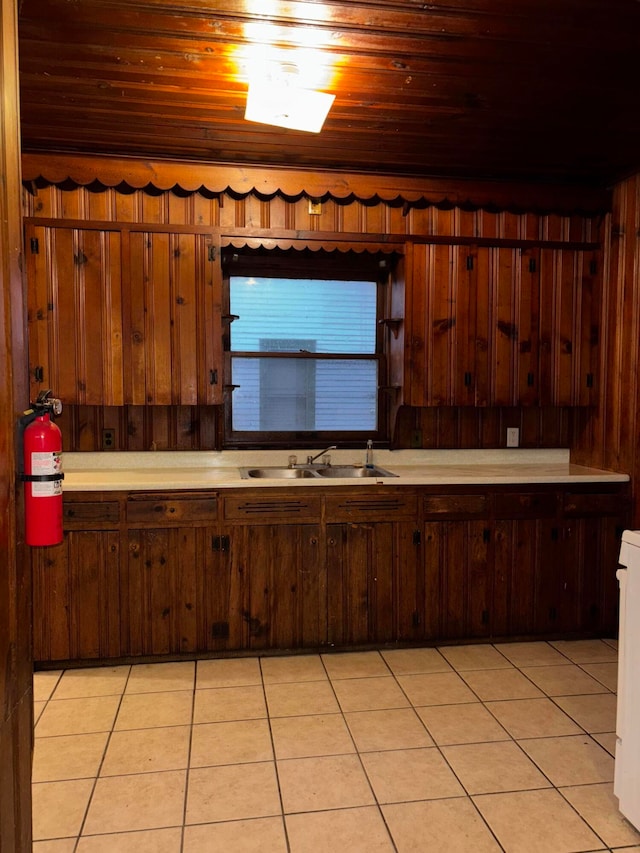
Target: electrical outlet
x=513 y=437
x=416 y=438
x=108 y=439
x=315 y=207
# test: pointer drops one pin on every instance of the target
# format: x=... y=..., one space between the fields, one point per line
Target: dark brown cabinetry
x=131 y=315
x=76 y=597
x=184 y=573
x=276 y=552
x=74 y=297
x=458 y=577
x=124 y=316
x=373 y=569
x=498 y=326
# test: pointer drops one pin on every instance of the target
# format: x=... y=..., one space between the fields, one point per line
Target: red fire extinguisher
x=42 y=448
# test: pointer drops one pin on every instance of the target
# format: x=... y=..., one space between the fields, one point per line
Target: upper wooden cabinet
x=570 y=303
x=74 y=287
x=124 y=317
x=172 y=319
x=499 y=326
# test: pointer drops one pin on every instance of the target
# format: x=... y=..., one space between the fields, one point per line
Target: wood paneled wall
x=16 y=692
x=138 y=428
x=609 y=436
x=277 y=212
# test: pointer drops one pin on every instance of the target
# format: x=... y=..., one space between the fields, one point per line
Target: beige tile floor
x=470 y=748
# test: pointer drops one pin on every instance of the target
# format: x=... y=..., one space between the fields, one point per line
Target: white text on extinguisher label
x=46 y=463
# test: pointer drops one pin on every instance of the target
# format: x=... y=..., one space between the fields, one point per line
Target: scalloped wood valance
x=266 y=182
x=315 y=243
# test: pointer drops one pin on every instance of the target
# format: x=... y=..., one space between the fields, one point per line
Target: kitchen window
x=304 y=352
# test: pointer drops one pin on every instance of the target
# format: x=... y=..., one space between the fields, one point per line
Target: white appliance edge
x=626 y=784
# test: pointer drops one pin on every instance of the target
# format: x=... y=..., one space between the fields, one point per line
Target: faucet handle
x=292 y=461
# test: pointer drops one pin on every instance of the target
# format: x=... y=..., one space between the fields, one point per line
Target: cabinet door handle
x=530 y=380
x=213 y=377
x=467 y=379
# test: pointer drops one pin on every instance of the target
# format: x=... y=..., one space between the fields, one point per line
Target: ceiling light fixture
x=278 y=99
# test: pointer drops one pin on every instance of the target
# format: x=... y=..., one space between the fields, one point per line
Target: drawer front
x=371 y=508
x=526 y=505
x=172 y=509
x=455 y=505
x=602 y=504
x=97 y=512
x=266 y=509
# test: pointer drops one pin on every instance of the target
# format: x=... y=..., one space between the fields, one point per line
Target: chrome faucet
x=312 y=459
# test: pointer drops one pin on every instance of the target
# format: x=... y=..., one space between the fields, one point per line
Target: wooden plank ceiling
x=544 y=90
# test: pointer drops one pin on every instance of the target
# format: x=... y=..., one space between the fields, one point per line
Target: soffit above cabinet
x=487 y=89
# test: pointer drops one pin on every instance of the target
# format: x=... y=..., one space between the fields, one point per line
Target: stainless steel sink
x=276 y=472
x=354 y=471
x=331 y=471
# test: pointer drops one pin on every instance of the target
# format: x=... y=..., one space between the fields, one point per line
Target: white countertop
x=163 y=470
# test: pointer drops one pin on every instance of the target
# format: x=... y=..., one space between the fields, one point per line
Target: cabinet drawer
x=78 y=513
x=598 y=504
x=526 y=505
x=455 y=505
x=266 y=509
x=371 y=508
x=178 y=509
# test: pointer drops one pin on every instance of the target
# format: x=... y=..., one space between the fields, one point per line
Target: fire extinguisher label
x=46 y=463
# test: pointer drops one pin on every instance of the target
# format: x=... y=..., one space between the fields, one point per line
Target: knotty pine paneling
x=140 y=427
x=227 y=211
x=16 y=650
x=191 y=427
x=451 y=427
x=607 y=436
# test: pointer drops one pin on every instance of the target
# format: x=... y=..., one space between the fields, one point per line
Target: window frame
x=299 y=264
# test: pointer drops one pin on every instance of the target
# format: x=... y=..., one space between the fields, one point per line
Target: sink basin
x=277 y=473
x=337 y=471
x=354 y=471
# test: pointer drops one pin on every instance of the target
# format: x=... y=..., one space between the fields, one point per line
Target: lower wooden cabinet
x=76 y=597
x=362 y=580
x=187 y=575
x=158 y=592
x=283 y=602
x=459 y=577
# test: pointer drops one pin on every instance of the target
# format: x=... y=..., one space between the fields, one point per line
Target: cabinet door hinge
x=34 y=243
x=467 y=379
x=530 y=380
x=213 y=377
x=417 y=537
x=220 y=543
x=212 y=253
